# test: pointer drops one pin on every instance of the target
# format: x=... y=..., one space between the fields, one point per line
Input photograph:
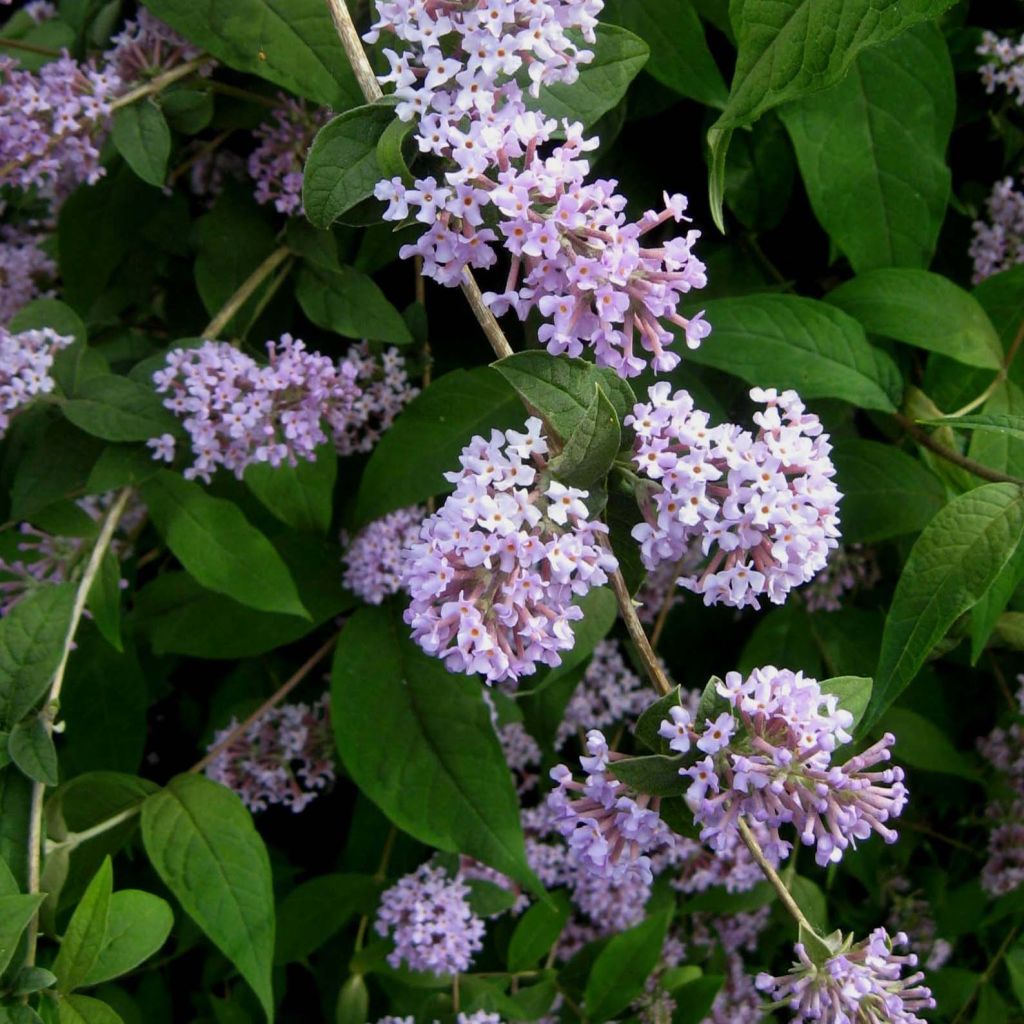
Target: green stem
x=986 y=977
x=636 y=633
x=35 y=825
x=245 y=290
x=158 y=84
x=20 y=44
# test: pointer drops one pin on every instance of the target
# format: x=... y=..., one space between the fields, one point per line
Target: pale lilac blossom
x=998 y=243
x=373 y=558
x=146 y=47
x=1004 y=67
x=850 y=568
x=26 y=271
x=26 y=362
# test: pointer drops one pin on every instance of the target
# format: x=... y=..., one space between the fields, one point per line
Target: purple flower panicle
x=998 y=244
x=26 y=360
x=26 y=272
x=1004 y=67
x=495 y=570
x=373 y=559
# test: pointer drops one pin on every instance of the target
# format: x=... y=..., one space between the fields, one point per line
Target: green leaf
x=854 y=693
x=591 y=449
x=350 y=304
x=202 y=843
x=488 y=899
x=69 y=363
x=999 y=442
x=998 y=423
x=316 y=910
x=219 y=547
x=655 y=774
x=537 y=931
x=782 y=636
x=390 y=156
x=872 y=151
x=788 y=48
x=119 y=409
x=342 y=168
x=15 y=809
x=647 y=725
x=1015 y=968
x=86 y=931
x=353 y=1001
x=15 y=913
x=77 y=1009
x=811 y=900
x=922 y=309
x=409 y=462
x=622 y=967
x=759 y=173
x=451 y=786
x=143 y=138
x=952 y=564
x=694 y=999
x=886 y=492
x=618 y=57
x=104 y=600
x=291 y=43
x=922 y=744
x=138 y=925
x=986 y=613
x=301 y=496
x=31 y=749
x=1002 y=297
x=55 y=465
x=680 y=58
x=31 y=644
x=784 y=341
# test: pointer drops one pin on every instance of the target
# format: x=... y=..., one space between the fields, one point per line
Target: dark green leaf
x=620 y=971
x=32 y=638
x=999 y=423
x=986 y=613
x=782 y=637
x=647 y=725
x=350 y=304
x=887 y=493
x=15 y=913
x=291 y=43
x=31 y=748
x=998 y=440
x=922 y=309
x=104 y=600
x=854 y=693
x=488 y=899
x=353 y=1001
x=788 y=342
x=537 y=931
x=680 y=58
x=300 y=496
x=759 y=175
x=202 y=843
x=143 y=138
x=451 y=786
x=55 y=466
x=390 y=157
x=138 y=925
x=78 y=1009
x=922 y=744
x=872 y=150
x=342 y=169
x=952 y=564
x=83 y=939
x=219 y=547
x=314 y=911
x=409 y=462
x=15 y=808
x=694 y=1000
x=618 y=57
x=591 y=448
x=119 y=409
x=655 y=774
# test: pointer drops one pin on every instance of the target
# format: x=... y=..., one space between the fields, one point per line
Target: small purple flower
x=760 y=510
x=146 y=47
x=430 y=920
x=494 y=572
x=1005 y=65
x=849 y=568
x=861 y=984
x=998 y=244
x=373 y=559
x=26 y=272
x=285 y=757
x=26 y=360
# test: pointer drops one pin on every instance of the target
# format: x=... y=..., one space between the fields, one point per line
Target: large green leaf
x=622 y=967
x=998 y=439
x=785 y=341
x=31 y=748
x=922 y=744
x=119 y=409
x=950 y=567
x=289 y=42
x=342 y=169
x=143 y=137
x=536 y=932
x=202 y=843
x=314 y=911
x=350 y=304
x=32 y=637
x=85 y=933
x=590 y=450
x=886 y=492
x=872 y=151
x=441 y=775
x=15 y=913
x=138 y=924
x=788 y=48
x=300 y=496
x=922 y=309
x=220 y=547
x=618 y=57
x=409 y=463
x=680 y=57
x=79 y=1009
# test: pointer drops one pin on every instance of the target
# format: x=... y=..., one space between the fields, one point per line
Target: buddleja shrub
x=634 y=636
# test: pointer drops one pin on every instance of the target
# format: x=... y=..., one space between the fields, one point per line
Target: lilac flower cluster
x=373 y=559
x=40 y=10
x=26 y=272
x=610 y=829
x=1004 y=750
x=146 y=47
x=26 y=360
x=769 y=759
x=47 y=559
x=762 y=510
x=1004 y=67
x=574 y=256
x=850 y=568
x=860 y=984
x=479 y=1017
x=284 y=140
x=999 y=244
x=496 y=568
x=238 y=412
x=431 y=922
x=609 y=692
x=285 y=757
x=51 y=121
x=912 y=913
